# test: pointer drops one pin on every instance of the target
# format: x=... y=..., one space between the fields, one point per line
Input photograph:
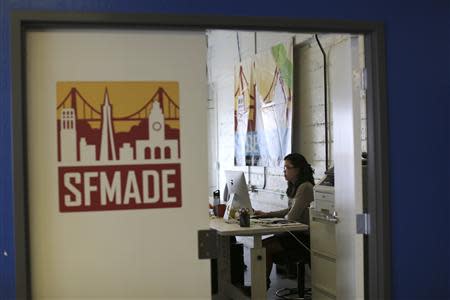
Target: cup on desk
x=219 y=210
x=244 y=220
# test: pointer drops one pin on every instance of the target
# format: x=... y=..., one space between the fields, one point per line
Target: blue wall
x=418 y=73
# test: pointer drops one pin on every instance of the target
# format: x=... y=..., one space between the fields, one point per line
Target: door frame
x=377 y=269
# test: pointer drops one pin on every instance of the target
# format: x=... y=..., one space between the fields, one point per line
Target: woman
x=299 y=176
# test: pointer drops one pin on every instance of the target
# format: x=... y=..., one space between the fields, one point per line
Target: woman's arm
x=278 y=213
x=271 y=214
x=301 y=201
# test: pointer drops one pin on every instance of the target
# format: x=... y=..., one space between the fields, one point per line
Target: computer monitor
x=236 y=192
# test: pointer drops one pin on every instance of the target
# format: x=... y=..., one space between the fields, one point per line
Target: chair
x=300 y=258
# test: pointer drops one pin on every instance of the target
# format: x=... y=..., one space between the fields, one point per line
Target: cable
x=325 y=99
x=238 y=46
x=300 y=242
x=294 y=293
x=256 y=43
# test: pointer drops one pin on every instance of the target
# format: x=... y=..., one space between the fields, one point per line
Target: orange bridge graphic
x=96 y=132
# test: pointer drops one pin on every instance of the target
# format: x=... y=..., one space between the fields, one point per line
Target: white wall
x=310 y=99
x=308 y=129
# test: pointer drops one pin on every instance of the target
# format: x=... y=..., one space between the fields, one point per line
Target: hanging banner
x=263 y=107
x=245 y=145
x=118 y=145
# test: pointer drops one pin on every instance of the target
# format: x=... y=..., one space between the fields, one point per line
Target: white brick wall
x=308 y=137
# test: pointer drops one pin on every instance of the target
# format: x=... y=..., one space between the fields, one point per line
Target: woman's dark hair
x=305 y=172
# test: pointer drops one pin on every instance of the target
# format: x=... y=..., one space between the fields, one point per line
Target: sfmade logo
x=118 y=145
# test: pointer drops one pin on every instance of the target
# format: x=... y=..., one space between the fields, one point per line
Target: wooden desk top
x=224 y=228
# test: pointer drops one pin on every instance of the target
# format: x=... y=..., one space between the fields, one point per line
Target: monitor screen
x=237 y=189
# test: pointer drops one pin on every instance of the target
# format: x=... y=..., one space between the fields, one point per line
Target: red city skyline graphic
x=102 y=168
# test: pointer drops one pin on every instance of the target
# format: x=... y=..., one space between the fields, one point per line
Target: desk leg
x=223 y=264
x=258 y=271
x=226 y=290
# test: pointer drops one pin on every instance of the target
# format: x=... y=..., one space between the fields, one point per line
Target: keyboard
x=270 y=221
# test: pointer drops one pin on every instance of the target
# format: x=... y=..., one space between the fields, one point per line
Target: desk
x=258 y=254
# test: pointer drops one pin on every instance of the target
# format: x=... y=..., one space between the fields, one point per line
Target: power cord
x=298 y=240
x=293 y=293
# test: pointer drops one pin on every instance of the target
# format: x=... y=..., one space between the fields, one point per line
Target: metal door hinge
x=363 y=224
x=364 y=79
x=363 y=89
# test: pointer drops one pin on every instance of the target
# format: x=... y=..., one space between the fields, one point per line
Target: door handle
x=325 y=218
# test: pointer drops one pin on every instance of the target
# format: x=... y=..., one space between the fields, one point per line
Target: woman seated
x=299 y=176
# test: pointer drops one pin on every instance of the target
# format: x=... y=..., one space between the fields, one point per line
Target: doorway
x=377 y=141
x=328 y=71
